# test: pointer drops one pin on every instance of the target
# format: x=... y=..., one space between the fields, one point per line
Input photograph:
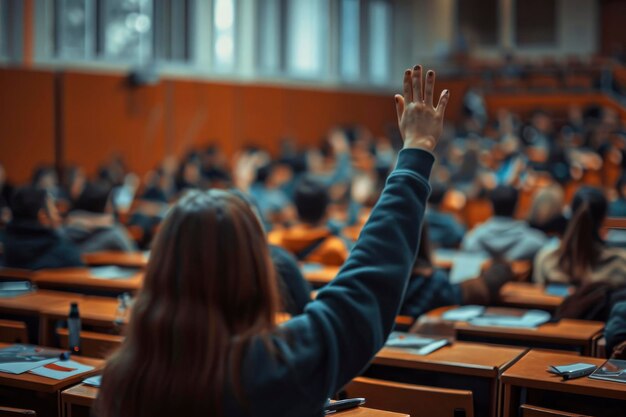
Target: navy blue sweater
x=318 y=352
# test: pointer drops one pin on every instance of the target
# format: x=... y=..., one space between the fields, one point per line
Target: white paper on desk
x=17 y=359
x=93 y=381
x=111 y=272
x=61 y=369
x=530 y=320
x=414 y=344
x=466 y=266
x=464 y=313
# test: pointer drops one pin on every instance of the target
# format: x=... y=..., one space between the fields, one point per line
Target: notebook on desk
x=613 y=370
x=498 y=317
x=17 y=359
x=112 y=272
x=14 y=288
x=415 y=344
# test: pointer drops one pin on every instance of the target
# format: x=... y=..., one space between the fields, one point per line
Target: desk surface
x=124 y=259
x=96 y=311
x=529 y=295
x=530 y=372
x=38 y=383
x=81 y=278
x=33 y=303
x=84 y=395
x=463 y=358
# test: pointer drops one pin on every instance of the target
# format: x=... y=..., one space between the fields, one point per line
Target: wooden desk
x=118 y=258
x=459 y=366
x=81 y=279
x=83 y=396
x=529 y=296
x=33 y=391
x=570 y=335
x=94 y=311
x=527 y=382
x=322 y=276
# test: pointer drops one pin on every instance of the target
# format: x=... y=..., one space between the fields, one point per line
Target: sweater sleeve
x=343 y=329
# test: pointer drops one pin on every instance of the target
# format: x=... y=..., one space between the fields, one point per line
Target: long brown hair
x=581 y=245
x=209 y=289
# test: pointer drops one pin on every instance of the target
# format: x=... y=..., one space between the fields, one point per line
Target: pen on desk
x=342 y=405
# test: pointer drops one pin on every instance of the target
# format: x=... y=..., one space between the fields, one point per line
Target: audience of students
x=207 y=310
x=503 y=236
x=34 y=239
x=582 y=256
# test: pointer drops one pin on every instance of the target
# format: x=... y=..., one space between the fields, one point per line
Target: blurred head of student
x=31 y=204
x=621 y=187
x=311 y=198
x=437 y=194
x=45 y=178
x=95 y=198
x=547 y=204
x=209 y=290
x=503 y=200
x=582 y=244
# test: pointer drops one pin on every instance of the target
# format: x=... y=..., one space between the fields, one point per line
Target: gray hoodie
x=505 y=237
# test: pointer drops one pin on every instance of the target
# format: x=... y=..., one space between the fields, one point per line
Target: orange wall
x=26 y=121
x=102 y=116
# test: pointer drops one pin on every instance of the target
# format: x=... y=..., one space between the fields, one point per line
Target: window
x=128 y=29
x=349 y=33
x=74 y=39
x=11 y=17
x=380 y=44
x=133 y=31
x=307 y=37
x=269 y=36
x=477 y=23
x=535 y=22
x=224 y=34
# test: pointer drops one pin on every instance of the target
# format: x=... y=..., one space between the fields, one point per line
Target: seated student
x=202 y=336
x=618 y=207
x=546 y=211
x=430 y=287
x=312 y=240
x=295 y=291
x=6 y=192
x=502 y=236
x=91 y=224
x=33 y=239
x=273 y=202
x=444 y=230
x=582 y=256
x=615 y=331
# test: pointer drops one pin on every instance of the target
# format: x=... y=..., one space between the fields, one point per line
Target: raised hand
x=420 y=123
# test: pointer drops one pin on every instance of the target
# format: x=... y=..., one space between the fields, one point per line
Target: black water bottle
x=73 y=324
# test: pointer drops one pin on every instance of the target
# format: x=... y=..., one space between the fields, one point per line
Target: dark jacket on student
x=443 y=229
x=295 y=290
x=615 y=330
x=318 y=352
x=29 y=245
x=425 y=293
x=95 y=237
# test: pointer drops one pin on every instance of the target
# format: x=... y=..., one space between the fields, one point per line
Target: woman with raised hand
x=202 y=339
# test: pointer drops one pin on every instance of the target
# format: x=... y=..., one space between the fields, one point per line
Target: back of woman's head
x=547 y=204
x=209 y=289
x=581 y=244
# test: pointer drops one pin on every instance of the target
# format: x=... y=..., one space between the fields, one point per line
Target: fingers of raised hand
x=429 y=88
x=443 y=102
x=416 y=81
x=399 y=106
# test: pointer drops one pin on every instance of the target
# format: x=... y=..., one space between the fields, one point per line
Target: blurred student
x=33 y=239
x=45 y=178
x=618 y=207
x=91 y=224
x=6 y=193
x=430 y=287
x=546 y=211
x=312 y=240
x=202 y=336
x=444 y=230
x=502 y=236
x=275 y=205
x=582 y=256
